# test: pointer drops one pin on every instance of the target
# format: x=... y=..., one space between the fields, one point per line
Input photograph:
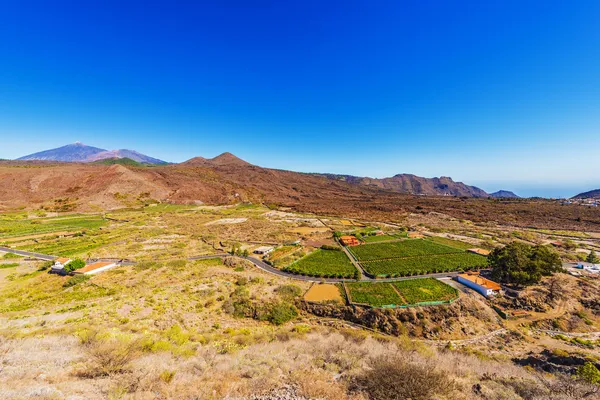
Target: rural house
x=59 y=265
x=349 y=241
x=479 y=284
x=95 y=268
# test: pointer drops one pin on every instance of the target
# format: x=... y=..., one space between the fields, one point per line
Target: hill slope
x=592 y=194
x=412 y=184
x=504 y=194
x=75 y=152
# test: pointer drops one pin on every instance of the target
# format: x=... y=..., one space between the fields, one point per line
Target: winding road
x=257 y=262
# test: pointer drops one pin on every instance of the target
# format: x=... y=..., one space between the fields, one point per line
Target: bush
x=75 y=280
x=394 y=378
x=281 y=313
x=289 y=292
x=74 y=265
x=106 y=357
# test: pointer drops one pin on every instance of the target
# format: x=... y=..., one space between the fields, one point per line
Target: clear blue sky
x=501 y=94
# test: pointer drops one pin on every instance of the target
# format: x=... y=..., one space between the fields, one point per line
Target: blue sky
x=503 y=95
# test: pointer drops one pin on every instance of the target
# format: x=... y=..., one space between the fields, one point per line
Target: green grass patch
x=374 y=294
x=381 y=238
x=425 y=264
x=9 y=265
x=324 y=263
x=425 y=290
x=451 y=242
x=405 y=248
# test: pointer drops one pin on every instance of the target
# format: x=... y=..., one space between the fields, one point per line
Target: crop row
x=405 y=248
x=417 y=291
x=402 y=293
x=324 y=263
x=425 y=264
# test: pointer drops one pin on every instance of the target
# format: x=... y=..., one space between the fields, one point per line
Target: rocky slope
x=592 y=194
x=412 y=184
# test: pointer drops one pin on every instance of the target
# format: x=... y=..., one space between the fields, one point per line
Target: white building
x=484 y=286
x=263 y=250
x=59 y=265
x=589 y=267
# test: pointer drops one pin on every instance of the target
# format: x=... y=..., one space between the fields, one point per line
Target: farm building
x=95 y=268
x=481 y=252
x=263 y=250
x=59 y=265
x=349 y=241
x=589 y=267
x=481 y=285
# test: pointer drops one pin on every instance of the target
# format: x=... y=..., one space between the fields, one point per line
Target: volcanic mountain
x=226 y=179
x=79 y=152
x=592 y=194
x=412 y=184
x=504 y=194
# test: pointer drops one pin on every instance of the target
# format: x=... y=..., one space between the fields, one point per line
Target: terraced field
x=424 y=264
x=399 y=294
x=18 y=226
x=324 y=263
x=405 y=248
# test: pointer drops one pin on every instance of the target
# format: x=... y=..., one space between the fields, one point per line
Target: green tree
x=522 y=264
x=592 y=257
x=74 y=265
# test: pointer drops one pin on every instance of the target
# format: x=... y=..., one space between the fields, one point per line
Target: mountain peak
x=79 y=152
x=504 y=194
x=228 y=159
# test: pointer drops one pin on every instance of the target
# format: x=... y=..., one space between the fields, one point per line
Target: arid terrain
x=180 y=320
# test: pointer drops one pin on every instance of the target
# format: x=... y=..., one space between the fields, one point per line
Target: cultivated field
x=402 y=293
x=405 y=248
x=323 y=292
x=424 y=264
x=374 y=294
x=324 y=263
x=417 y=291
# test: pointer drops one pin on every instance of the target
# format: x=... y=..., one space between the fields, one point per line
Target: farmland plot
x=405 y=248
x=425 y=264
x=374 y=294
x=324 y=263
x=425 y=290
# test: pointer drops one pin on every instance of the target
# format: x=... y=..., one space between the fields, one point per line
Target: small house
x=95 y=268
x=349 y=241
x=263 y=250
x=59 y=265
x=482 y=285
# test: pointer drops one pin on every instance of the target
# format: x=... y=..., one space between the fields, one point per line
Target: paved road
x=39 y=256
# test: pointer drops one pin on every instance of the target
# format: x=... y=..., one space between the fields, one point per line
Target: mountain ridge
x=79 y=152
x=591 y=194
x=504 y=194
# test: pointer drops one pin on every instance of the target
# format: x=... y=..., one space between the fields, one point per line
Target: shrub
x=75 y=280
x=289 y=292
x=589 y=373
x=394 y=378
x=282 y=312
x=106 y=357
x=74 y=265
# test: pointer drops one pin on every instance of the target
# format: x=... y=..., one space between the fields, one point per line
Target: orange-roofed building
x=95 y=268
x=349 y=241
x=481 y=252
x=480 y=284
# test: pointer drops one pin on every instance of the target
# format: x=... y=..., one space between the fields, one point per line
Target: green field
x=15 y=226
x=425 y=290
x=374 y=294
x=451 y=242
x=324 y=263
x=425 y=264
x=382 y=238
x=405 y=248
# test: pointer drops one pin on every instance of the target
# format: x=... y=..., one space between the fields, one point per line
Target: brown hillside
x=226 y=180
